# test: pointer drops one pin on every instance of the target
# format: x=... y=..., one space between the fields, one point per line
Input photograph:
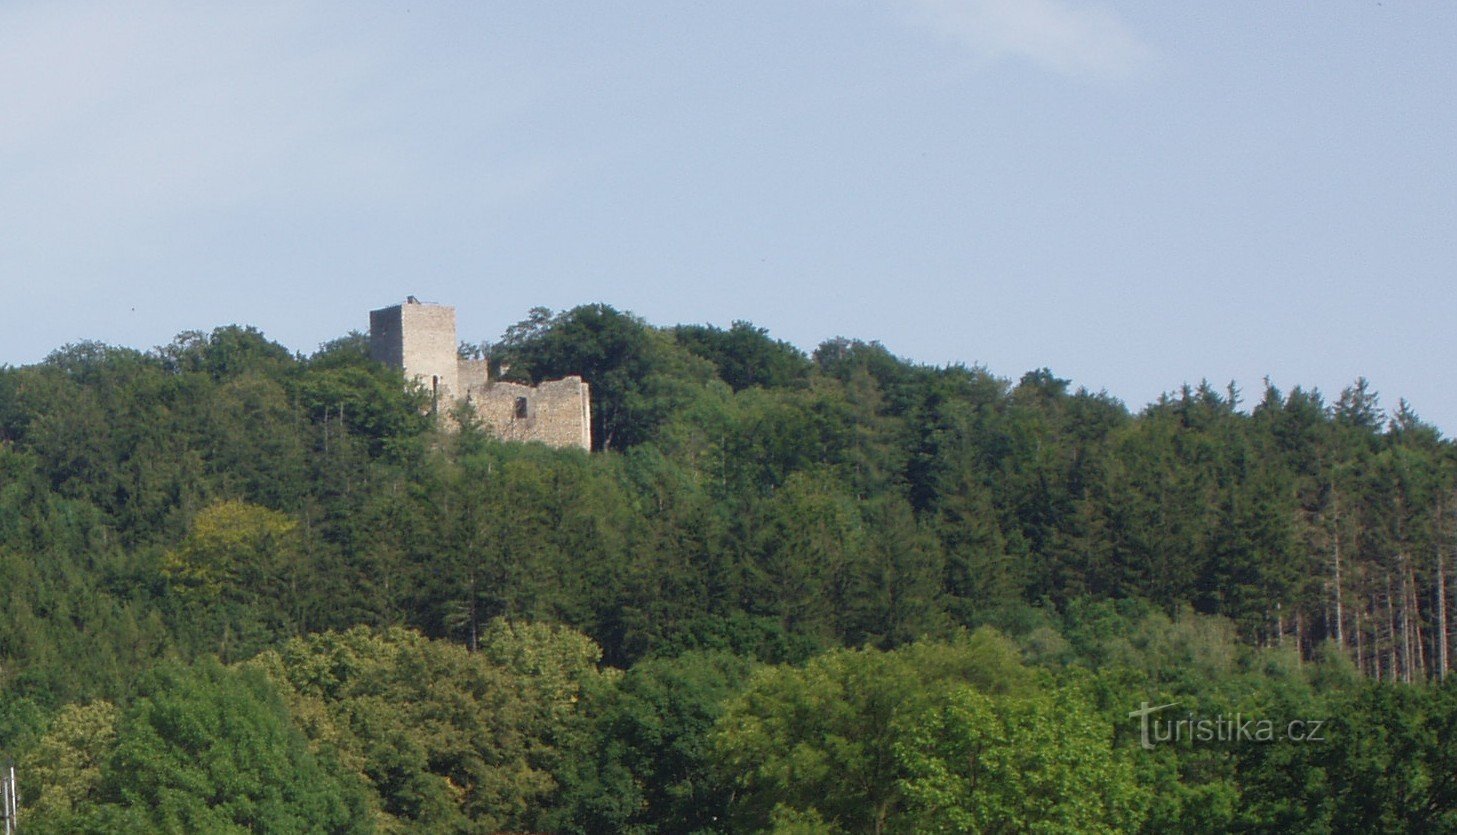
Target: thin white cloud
x=1080 y=40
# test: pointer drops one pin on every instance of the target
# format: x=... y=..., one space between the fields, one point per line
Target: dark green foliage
x=1386 y=765
x=746 y=504
x=638 y=374
x=745 y=355
x=351 y=396
x=229 y=351
x=209 y=749
x=653 y=755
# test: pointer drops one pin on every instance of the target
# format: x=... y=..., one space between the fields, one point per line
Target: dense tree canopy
x=787 y=592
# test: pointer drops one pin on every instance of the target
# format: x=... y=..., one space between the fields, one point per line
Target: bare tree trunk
x=1300 y=633
x=1411 y=627
x=1360 y=645
x=1340 y=617
x=1404 y=618
x=1377 y=648
x=1418 y=639
x=1442 y=657
x=475 y=642
x=1441 y=616
x=1391 y=667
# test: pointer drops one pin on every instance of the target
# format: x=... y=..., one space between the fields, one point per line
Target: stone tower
x=420 y=339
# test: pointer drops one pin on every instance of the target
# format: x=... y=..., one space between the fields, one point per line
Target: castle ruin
x=419 y=339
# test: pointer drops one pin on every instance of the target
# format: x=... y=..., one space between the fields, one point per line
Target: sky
x=1134 y=195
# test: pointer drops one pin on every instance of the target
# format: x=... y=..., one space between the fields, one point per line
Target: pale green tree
x=1040 y=763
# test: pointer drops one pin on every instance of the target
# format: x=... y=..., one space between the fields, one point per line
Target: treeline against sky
x=763 y=539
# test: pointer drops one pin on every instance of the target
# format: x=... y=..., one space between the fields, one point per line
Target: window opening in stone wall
x=520 y=408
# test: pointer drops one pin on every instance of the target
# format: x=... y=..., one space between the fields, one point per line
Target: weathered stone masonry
x=419 y=339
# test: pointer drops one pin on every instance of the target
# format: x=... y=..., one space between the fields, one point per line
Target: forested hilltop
x=249 y=590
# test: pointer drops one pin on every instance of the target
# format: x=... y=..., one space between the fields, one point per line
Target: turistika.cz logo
x=1190 y=729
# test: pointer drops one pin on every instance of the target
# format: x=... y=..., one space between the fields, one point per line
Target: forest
x=245 y=590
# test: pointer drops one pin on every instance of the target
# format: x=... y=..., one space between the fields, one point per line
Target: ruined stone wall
x=472 y=373
x=420 y=340
x=557 y=413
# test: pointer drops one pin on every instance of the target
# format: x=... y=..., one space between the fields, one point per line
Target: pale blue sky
x=1134 y=195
